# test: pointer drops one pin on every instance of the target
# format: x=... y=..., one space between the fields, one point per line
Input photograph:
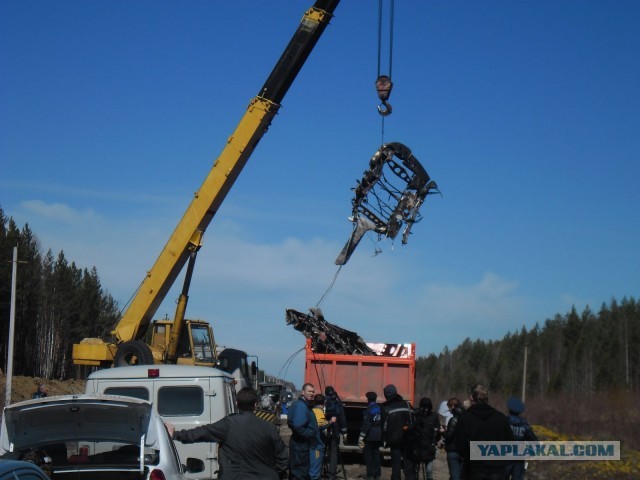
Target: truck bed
x=353 y=376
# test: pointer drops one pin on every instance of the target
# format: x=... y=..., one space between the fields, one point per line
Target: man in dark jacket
x=427 y=434
x=334 y=412
x=41 y=392
x=370 y=439
x=454 y=461
x=481 y=422
x=250 y=448
x=397 y=429
x=304 y=433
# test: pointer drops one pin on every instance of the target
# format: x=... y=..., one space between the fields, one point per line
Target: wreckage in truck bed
x=340 y=358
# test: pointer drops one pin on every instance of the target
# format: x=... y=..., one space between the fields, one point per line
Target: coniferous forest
x=59 y=303
x=575 y=354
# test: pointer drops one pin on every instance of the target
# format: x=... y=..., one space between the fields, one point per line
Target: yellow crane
x=191 y=341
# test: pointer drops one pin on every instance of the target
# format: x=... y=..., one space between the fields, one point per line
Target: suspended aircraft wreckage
x=389 y=196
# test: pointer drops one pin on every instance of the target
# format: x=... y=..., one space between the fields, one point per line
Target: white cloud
x=487 y=309
x=242 y=285
x=57 y=211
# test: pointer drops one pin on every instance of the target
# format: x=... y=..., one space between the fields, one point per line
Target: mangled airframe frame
x=328 y=338
x=375 y=196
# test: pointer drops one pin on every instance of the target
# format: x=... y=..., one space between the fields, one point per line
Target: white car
x=91 y=437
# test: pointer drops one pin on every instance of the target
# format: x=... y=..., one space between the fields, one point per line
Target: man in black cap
x=334 y=413
x=521 y=432
x=370 y=439
x=427 y=434
x=397 y=430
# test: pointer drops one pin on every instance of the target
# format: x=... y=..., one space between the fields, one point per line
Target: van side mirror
x=254 y=369
x=194 y=465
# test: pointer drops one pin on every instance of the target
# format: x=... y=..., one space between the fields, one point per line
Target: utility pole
x=524 y=373
x=12 y=321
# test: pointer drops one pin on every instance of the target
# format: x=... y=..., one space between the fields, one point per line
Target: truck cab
x=236 y=364
x=195 y=344
x=185 y=396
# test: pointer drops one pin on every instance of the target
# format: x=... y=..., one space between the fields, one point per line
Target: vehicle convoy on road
x=191 y=342
x=184 y=395
x=92 y=437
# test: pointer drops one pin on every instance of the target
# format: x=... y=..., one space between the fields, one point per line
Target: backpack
x=399 y=425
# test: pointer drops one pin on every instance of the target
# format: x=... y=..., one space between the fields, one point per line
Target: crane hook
x=384 y=109
x=384 y=86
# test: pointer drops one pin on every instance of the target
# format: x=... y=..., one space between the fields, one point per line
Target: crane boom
x=187 y=236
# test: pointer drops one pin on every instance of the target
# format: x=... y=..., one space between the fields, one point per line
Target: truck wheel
x=133 y=353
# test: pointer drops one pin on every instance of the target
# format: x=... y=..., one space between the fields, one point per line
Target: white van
x=184 y=395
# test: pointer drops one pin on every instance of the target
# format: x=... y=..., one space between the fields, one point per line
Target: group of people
x=413 y=436
x=479 y=421
x=318 y=425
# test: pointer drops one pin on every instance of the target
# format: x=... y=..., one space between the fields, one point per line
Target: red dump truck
x=353 y=376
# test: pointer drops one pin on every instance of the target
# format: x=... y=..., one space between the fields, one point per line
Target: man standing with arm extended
x=481 y=422
x=250 y=448
x=304 y=433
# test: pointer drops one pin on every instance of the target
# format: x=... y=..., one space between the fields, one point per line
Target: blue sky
x=526 y=113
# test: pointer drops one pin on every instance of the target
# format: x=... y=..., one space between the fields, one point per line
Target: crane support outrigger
x=168 y=336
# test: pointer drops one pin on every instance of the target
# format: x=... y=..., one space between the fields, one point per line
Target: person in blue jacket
x=370 y=439
x=521 y=432
x=304 y=433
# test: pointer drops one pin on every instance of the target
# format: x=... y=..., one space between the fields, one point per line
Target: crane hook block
x=383 y=87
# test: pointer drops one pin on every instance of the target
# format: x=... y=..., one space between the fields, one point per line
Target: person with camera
x=427 y=434
x=334 y=413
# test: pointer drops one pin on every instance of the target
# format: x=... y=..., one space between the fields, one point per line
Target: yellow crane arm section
x=187 y=235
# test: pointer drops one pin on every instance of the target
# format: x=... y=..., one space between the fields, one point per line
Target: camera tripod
x=421 y=470
x=327 y=459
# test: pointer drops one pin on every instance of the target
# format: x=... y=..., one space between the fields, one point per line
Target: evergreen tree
x=57 y=304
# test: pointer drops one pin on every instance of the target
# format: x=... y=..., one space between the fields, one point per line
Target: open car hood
x=66 y=418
